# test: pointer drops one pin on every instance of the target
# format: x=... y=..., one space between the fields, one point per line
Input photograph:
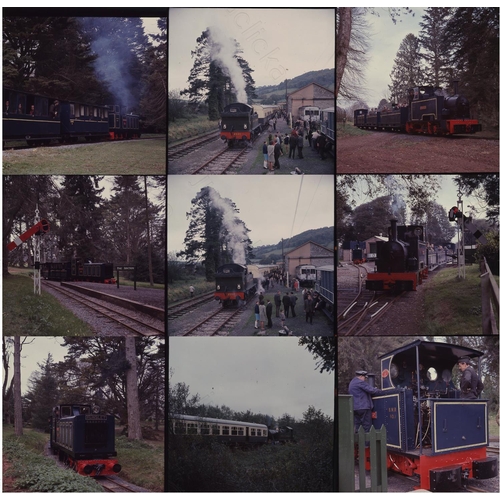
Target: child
x=285 y=328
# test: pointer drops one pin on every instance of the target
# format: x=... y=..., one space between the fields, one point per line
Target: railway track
x=180 y=150
x=218 y=323
x=134 y=322
x=115 y=484
x=178 y=310
x=222 y=162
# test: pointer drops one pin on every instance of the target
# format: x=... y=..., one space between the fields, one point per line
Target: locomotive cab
x=430 y=430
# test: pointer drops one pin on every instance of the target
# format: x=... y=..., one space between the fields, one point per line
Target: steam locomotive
x=431 y=432
x=84 y=439
x=241 y=123
x=402 y=261
x=428 y=111
x=234 y=284
x=40 y=119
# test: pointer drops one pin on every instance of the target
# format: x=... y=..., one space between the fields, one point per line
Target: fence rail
x=489 y=300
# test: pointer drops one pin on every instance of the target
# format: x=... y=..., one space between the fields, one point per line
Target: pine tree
x=432 y=40
x=407 y=70
x=219 y=74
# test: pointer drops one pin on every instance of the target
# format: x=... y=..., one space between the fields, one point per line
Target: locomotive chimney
x=455 y=87
x=394 y=231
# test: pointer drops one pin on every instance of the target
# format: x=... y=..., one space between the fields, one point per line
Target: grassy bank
x=142 y=464
x=106 y=158
x=27 y=314
x=180 y=289
x=453 y=305
x=29 y=470
x=184 y=128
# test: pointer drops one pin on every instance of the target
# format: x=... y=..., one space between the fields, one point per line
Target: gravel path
x=384 y=152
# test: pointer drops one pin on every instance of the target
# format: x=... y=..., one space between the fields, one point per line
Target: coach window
x=225 y=430
x=180 y=428
x=205 y=429
x=192 y=428
x=72 y=110
x=252 y=431
x=240 y=431
x=215 y=430
x=264 y=432
x=259 y=432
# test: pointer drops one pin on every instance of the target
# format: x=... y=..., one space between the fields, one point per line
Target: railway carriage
x=78 y=270
x=228 y=431
x=39 y=120
x=84 y=439
x=431 y=432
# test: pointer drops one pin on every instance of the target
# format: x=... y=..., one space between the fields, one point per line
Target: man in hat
x=470 y=385
x=362 y=393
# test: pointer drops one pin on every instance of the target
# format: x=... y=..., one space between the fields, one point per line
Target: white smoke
x=398 y=202
x=224 y=51
x=236 y=231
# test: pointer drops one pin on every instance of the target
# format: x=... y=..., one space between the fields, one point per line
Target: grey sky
x=272 y=375
x=272 y=40
x=385 y=38
x=267 y=204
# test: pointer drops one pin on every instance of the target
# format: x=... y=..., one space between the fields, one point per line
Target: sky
x=268 y=205
x=272 y=376
x=272 y=40
x=385 y=39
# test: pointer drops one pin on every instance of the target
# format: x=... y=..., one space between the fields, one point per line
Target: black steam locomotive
x=234 y=284
x=431 y=432
x=241 y=123
x=78 y=270
x=84 y=439
x=428 y=111
x=39 y=120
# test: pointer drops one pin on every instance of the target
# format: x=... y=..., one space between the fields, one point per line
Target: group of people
x=53 y=109
x=284 y=308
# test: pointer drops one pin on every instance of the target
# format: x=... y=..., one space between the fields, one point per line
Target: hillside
x=324 y=77
x=322 y=236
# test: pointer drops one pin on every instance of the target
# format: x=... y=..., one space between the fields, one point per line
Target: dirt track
x=384 y=152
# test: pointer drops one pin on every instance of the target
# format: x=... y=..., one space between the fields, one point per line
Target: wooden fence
x=489 y=300
x=373 y=444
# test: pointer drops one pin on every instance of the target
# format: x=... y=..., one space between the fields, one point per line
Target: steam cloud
x=236 y=232
x=224 y=52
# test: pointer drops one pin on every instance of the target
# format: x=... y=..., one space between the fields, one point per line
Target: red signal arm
x=40 y=227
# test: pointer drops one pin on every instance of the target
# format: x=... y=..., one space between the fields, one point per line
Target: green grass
x=31 y=471
x=180 y=290
x=107 y=158
x=189 y=127
x=349 y=130
x=142 y=462
x=453 y=305
x=27 y=314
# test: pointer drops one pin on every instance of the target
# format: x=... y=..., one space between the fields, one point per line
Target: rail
x=489 y=300
x=373 y=444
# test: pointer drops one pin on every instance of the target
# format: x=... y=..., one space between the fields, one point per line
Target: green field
x=452 y=305
x=132 y=157
x=184 y=128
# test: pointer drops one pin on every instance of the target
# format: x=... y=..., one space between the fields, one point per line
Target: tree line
x=126 y=227
x=103 y=60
